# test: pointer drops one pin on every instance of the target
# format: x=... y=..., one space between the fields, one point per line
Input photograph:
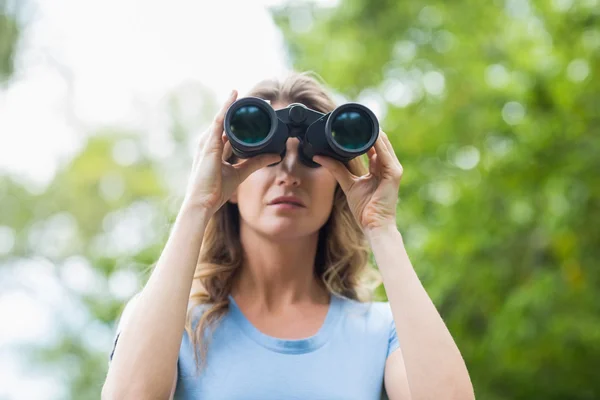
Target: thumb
x=339 y=171
x=253 y=164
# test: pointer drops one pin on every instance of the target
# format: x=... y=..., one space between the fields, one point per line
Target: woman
x=272 y=307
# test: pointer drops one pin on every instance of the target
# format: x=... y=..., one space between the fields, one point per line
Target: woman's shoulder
x=371 y=310
x=193 y=307
x=127 y=310
x=370 y=319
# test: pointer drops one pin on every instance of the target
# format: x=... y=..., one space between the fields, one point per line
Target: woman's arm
x=434 y=366
x=145 y=357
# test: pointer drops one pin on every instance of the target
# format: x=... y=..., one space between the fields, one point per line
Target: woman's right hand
x=213 y=180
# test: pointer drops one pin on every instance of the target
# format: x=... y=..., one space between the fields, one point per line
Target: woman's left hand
x=372 y=197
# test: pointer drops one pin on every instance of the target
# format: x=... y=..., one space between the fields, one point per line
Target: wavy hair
x=342 y=258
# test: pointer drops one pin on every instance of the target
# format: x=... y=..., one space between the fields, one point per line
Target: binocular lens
x=352 y=129
x=254 y=127
x=250 y=124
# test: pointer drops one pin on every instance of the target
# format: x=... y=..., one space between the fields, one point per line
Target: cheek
x=327 y=182
x=325 y=189
x=250 y=194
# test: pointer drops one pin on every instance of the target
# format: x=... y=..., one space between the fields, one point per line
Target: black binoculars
x=254 y=127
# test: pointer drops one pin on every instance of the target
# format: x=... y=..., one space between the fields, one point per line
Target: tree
x=10 y=31
x=493 y=110
x=97 y=229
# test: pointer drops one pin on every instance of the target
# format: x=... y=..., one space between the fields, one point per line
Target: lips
x=287 y=200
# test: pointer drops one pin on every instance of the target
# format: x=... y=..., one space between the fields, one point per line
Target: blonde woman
x=254 y=300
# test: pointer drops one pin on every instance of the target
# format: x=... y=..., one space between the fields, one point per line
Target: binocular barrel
x=254 y=127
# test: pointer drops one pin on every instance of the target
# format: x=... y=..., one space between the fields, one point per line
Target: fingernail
x=232 y=93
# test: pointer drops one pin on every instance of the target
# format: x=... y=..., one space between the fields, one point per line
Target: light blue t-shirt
x=345 y=359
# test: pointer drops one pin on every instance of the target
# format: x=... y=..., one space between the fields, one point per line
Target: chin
x=287 y=231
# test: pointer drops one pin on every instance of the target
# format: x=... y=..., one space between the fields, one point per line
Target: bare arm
x=145 y=357
x=174 y=385
x=432 y=362
x=434 y=366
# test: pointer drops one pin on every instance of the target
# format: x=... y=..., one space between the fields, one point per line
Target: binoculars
x=253 y=127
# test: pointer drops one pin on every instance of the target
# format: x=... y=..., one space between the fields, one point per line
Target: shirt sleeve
x=393 y=343
x=125 y=316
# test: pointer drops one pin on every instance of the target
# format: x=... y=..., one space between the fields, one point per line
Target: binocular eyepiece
x=254 y=127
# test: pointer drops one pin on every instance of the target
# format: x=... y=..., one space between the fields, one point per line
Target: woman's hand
x=372 y=197
x=213 y=180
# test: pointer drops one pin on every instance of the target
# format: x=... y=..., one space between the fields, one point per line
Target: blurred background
x=493 y=108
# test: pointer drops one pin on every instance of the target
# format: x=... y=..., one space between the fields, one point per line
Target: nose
x=290 y=168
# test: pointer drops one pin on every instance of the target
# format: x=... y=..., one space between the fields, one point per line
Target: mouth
x=287 y=202
x=287 y=206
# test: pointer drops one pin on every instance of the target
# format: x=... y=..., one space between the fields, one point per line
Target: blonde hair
x=342 y=259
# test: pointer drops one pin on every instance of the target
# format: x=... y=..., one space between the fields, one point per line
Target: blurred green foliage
x=76 y=215
x=106 y=213
x=10 y=32
x=494 y=110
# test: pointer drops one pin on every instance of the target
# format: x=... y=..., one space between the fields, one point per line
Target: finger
x=389 y=146
x=396 y=162
x=339 y=171
x=372 y=157
x=215 y=142
x=227 y=150
x=220 y=117
x=253 y=164
x=202 y=139
x=383 y=154
x=373 y=167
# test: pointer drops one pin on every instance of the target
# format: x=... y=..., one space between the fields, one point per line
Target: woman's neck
x=278 y=273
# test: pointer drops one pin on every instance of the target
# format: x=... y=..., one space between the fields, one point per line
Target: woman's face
x=314 y=187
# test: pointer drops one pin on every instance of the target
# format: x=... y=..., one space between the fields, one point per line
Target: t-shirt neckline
x=289 y=346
